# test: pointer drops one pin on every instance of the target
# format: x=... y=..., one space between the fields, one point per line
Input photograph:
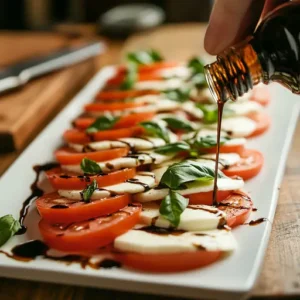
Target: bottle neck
x=235 y=71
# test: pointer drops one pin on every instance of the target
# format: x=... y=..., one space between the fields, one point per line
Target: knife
x=20 y=73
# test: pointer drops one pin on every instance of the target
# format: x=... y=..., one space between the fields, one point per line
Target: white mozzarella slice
x=237 y=126
x=244 y=108
x=193 y=218
x=190 y=108
x=224 y=184
x=226 y=159
x=95 y=146
x=160 y=85
x=138 y=184
x=124 y=162
x=180 y=72
x=140 y=241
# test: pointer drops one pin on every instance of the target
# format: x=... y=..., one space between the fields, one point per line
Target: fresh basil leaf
x=209 y=141
x=154 y=129
x=173 y=148
x=8 y=227
x=89 y=190
x=178 y=95
x=172 y=206
x=178 y=174
x=177 y=124
x=102 y=123
x=90 y=167
x=130 y=77
x=196 y=65
x=209 y=115
x=144 y=57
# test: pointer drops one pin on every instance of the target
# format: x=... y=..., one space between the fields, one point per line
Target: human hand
x=233 y=20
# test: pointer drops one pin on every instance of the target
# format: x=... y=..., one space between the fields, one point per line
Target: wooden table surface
x=280 y=276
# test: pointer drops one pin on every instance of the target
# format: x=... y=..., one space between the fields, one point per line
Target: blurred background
x=43 y=14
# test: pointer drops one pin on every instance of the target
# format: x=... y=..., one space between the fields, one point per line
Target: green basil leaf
x=209 y=115
x=177 y=124
x=130 y=77
x=8 y=227
x=209 y=141
x=172 y=206
x=154 y=129
x=145 y=57
x=90 y=167
x=173 y=148
x=102 y=123
x=89 y=190
x=196 y=65
x=178 y=174
x=178 y=95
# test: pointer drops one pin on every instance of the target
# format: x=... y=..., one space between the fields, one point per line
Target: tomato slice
x=68 y=156
x=206 y=198
x=262 y=120
x=169 y=262
x=56 y=209
x=239 y=149
x=120 y=95
x=59 y=180
x=112 y=106
x=92 y=234
x=81 y=137
x=238 y=207
x=124 y=122
x=249 y=166
x=261 y=94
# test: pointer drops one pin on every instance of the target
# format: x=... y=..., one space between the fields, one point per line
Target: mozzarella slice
x=224 y=184
x=141 y=241
x=159 y=85
x=180 y=72
x=193 y=218
x=140 y=183
x=190 y=108
x=244 y=108
x=130 y=161
x=237 y=126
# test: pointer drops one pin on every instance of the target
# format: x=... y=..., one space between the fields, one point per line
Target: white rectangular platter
x=230 y=278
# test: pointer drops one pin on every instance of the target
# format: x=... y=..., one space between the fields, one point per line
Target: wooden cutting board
x=24 y=111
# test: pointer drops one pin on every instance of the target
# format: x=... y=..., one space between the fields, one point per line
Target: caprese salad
x=137 y=170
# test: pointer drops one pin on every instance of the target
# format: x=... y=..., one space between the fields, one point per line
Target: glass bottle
x=272 y=54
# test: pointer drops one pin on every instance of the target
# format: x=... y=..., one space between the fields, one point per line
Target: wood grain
x=280 y=276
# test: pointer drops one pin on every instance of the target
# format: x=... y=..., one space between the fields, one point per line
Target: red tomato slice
x=81 y=137
x=261 y=94
x=169 y=262
x=55 y=209
x=238 y=207
x=124 y=122
x=239 y=149
x=112 y=106
x=92 y=234
x=206 y=198
x=249 y=166
x=121 y=95
x=262 y=123
x=62 y=181
x=68 y=156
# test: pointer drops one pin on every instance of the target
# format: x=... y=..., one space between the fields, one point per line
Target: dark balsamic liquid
x=35 y=193
x=220 y=114
x=256 y=222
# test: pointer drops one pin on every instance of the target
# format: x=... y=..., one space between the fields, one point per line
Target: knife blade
x=20 y=73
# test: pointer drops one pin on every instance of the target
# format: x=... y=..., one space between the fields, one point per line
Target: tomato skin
x=239 y=149
x=60 y=181
x=124 y=122
x=238 y=207
x=206 y=198
x=169 y=262
x=68 y=156
x=263 y=122
x=261 y=94
x=247 y=170
x=111 y=96
x=77 y=211
x=112 y=106
x=93 y=234
x=80 y=137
